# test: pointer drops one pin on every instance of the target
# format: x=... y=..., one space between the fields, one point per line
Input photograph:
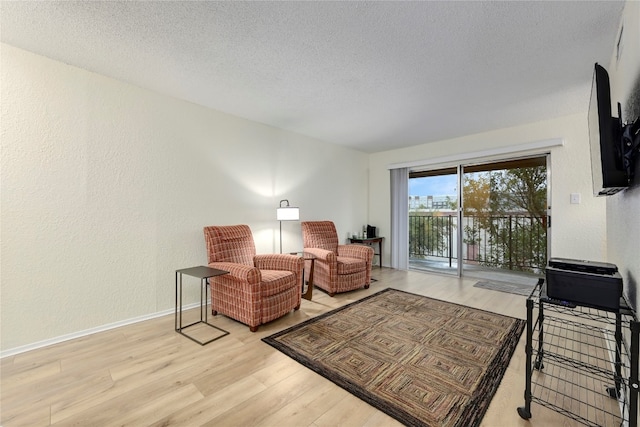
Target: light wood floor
x=148 y=375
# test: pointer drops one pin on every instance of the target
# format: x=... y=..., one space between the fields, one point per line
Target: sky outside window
x=441 y=185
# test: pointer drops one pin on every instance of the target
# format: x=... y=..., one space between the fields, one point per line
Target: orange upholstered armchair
x=258 y=288
x=338 y=268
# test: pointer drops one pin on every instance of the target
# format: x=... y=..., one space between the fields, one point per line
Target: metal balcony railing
x=516 y=242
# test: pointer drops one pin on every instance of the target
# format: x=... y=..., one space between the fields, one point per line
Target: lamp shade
x=288 y=213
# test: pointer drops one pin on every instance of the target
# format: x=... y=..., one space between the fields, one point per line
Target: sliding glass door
x=486 y=219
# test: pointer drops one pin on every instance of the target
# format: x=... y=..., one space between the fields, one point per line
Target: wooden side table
x=203 y=273
x=312 y=259
x=370 y=241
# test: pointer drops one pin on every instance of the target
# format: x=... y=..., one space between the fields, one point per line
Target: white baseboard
x=74 y=335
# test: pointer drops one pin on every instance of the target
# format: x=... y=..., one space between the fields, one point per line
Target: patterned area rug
x=420 y=360
x=511 y=288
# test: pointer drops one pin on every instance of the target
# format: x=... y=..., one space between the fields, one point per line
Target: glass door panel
x=433 y=220
x=504 y=219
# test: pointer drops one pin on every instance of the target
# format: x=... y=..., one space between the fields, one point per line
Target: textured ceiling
x=371 y=76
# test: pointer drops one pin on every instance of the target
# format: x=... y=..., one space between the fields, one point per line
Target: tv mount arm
x=630 y=146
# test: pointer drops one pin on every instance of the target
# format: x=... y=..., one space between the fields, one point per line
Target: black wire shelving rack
x=582 y=362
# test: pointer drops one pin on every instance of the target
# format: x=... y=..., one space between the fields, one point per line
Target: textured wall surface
x=623 y=209
x=106 y=188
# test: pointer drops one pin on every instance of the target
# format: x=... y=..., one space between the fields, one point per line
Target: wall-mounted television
x=613 y=145
x=604 y=138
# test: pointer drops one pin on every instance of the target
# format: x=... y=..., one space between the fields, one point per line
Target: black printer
x=589 y=283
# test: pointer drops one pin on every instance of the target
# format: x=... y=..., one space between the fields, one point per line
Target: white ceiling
x=372 y=76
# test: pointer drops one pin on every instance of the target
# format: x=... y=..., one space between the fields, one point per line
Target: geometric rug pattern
x=420 y=360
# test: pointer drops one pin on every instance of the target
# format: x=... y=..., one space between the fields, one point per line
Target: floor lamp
x=286 y=213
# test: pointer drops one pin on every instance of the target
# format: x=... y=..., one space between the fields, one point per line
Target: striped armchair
x=338 y=268
x=258 y=288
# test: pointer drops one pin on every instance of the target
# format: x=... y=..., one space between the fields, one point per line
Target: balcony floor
x=441 y=265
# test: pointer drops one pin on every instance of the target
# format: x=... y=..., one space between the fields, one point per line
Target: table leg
x=201 y=296
x=176 y=307
x=308 y=295
x=178 y=302
x=206 y=300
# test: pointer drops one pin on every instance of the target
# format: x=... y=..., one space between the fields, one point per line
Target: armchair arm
x=287 y=262
x=322 y=254
x=356 y=251
x=239 y=272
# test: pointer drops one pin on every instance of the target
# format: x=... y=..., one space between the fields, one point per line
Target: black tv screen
x=605 y=138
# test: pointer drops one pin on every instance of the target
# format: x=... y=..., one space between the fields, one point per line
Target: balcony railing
x=516 y=242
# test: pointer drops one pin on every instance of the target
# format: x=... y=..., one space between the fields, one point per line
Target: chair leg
x=366 y=286
x=253 y=328
x=296 y=308
x=214 y=313
x=332 y=294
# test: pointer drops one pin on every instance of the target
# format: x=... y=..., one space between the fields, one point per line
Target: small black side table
x=203 y=273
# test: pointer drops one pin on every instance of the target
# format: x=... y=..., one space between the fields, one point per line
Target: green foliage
x=511 y=210
x=430 y=234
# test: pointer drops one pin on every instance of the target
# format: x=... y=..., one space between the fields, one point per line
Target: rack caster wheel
x=524 y=413
x=538 y=366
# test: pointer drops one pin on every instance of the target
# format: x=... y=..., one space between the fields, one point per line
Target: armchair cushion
x=350 y=265
x=274 y=282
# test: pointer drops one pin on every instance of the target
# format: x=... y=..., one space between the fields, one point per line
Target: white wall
x=578 y=230
x=623 y=209
x=106 y=188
